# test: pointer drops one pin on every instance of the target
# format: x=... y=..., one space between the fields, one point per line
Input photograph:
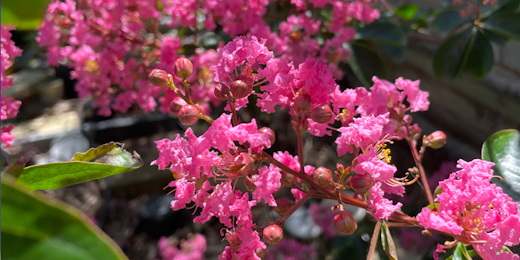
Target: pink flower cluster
x=290 y=250
x=191 y=249
x=475 y=211
x=9 y=105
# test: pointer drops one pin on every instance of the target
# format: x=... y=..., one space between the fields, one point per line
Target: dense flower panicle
x=362 y=133
x=193 y=248
x=267 y=183
x=381 y=207
x=476 y=210
x=9 y=106
x=343 y=13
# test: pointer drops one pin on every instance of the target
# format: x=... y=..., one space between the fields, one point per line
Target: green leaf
x=503 y=148
x=383 y=32
x=505 y=24
x=458 y=253
x=396 y=53
x=448 y=20
x=24 y=14
x=501 y=7
x=407 y=12
x=365 y=63
x=468 y=50
x=481 y=58
x=388 y=242
x=107 y=160
x=434 y=206
x=37 y=227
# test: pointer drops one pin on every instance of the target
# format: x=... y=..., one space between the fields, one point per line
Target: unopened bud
x=302 y=103
x=361 y=183
x=345 y=223
x=250 y=182
x=272 y=137
x=273 y=235
x=183 y=68
x=260 y=253
x=435 y=140
x=283 y=205
x=176 y=105
x=247 y=77
x=246 y=162
x=221 y=91
x=287 y=179
x=297 y=126
x=322 y=176
x=188 y=114
x=159 y=78
x=240 y=89
x=321 y=114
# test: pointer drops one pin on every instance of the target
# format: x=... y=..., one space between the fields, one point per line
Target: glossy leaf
x=106 y=160
x=37 y=227
x=24 y=14
x=382 y=32
x=407 y=12
x=505 y=24
x=481 y=57
x=503 y=148
x=365 y=63
x=388 y=242
x=448 y=20
x=502 y=6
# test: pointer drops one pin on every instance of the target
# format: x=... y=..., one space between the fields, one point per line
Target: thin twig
x=373 y=242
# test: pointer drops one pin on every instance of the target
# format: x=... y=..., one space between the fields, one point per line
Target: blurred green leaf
x=37 y=227
x=458 y=253
x=503 y=148
x=388 y=242
x=505 y=24
x=433 y=206
x=382 y=32
x=365 y=63
x=448 y=20
x=24 y=14
x=495 y=37
x=502 y=6
x=396 y=53
x=468 y=50
x=103 y=161
x=407 y=12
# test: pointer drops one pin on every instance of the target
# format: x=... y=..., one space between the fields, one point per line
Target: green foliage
x=406 y=12
x=103 y=161
x=503 y=148
x=447 y=20
x=459 y=253
x=382 y=32
x=505 y=24
x=388 y=242
x=36 y=227
x=24 y=14
x=365 y=63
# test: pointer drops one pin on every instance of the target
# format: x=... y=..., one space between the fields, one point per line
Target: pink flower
x=217 y=205
x=183 y=193
x=475 y=210
x=267 y=183
x=418 y=99
x=362 y=133
x=381 y=207
x=290 y=250
x=192 y=249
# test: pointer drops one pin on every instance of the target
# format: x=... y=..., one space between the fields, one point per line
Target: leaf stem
x=373 y=242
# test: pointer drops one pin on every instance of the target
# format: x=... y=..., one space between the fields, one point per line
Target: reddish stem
x=412 y=143
x=296 y=205
x=373 y=242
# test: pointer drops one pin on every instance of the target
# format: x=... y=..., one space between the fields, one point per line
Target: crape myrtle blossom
x=475 y=211
x=10 y=106
x=193 y=248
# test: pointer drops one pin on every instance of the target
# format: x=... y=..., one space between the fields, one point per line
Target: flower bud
x=272 y=137
x=287 y=179
x=361 y=183
x=295 y=123
x=221 y=91
x=273 y=235
x=282 y=206
x=245 y=162
x=176 y=105
x=322 y=176
x=435 y=140
x=345 y=223
x=159 y=78
x=183 y=68
x=302 y=102
x=250 y=182
x=260 y=252
x=240 y=89
x=321 y=114
x=247 y=77
x=188 y=114
x=233 y=240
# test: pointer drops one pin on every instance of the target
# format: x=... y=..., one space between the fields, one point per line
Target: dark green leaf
x=24 y=14
x=448 y=20
x=407 y=12
x=109 y=159
x=495 y=37
x=481 y=58
x=502 y=6
x=37 y=227
x=505 y=24
x=395 y=52
x=503 y=148
x=451 y=57
x=388 y=242
x=383 y=32
x=365 y=63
